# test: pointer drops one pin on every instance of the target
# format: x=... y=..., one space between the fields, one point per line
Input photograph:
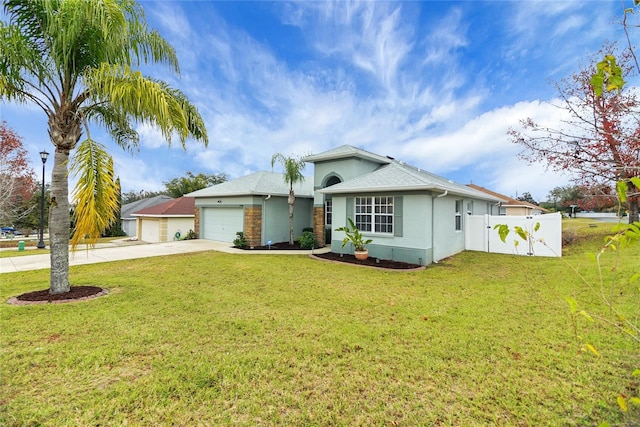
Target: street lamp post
x=43 y=156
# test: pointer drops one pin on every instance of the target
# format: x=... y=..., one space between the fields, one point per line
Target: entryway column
x=318 y=225
x=253 y=225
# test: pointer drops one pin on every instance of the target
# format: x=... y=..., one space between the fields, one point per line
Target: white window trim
x=373 y=215
x=458 y=215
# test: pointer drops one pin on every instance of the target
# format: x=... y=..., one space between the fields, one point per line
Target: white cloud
x=150 y=136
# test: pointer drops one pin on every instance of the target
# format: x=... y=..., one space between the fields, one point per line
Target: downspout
x=264 y=219
x=433 y=224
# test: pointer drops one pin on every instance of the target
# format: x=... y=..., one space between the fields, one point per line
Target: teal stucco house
x=412 y=215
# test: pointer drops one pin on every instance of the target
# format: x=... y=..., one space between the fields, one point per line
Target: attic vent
x=390 y=158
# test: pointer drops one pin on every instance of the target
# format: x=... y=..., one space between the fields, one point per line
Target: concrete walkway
x=127 y=249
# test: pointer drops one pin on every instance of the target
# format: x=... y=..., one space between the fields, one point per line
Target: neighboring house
x=411 y=215
x=255 y=204
x=510 y=206
x=167 y=221
x=129 y=221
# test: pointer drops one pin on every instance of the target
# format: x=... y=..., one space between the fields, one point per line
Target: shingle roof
x=260 y=183
x=398 y=176
x=182 y=206
x=508 y=201
x=346 y=151
x=132 y=207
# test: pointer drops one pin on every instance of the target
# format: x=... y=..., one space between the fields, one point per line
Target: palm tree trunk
x=291 y=202
x=59 y=224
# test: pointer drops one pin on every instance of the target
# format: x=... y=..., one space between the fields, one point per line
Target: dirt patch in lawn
x=76 y=293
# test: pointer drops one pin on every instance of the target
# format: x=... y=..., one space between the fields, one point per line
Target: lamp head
x=43 y=156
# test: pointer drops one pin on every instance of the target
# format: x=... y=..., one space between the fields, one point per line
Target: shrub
x=569 y=237
x=307 y=229
x=240 y=241
x=308 y=240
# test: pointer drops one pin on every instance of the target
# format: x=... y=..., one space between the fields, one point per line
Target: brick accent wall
x=196 y=222
x=318 y=224
x=253 y=225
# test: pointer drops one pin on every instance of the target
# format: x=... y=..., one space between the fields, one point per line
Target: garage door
x=150 y=230
x=222 y=224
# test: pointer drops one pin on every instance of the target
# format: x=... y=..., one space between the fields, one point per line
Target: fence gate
x=480 y=235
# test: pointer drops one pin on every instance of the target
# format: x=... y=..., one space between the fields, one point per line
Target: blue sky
x=435 y=84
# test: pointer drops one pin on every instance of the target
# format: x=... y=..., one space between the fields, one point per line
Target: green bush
x=308 y=240
x=307 y=229
x=240 y=241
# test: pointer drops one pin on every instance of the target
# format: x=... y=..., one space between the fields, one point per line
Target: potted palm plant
x=353 y=235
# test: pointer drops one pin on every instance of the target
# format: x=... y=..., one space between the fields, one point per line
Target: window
x=470 y=207
x=458 y=215
x=374 y=214
x=328 y=210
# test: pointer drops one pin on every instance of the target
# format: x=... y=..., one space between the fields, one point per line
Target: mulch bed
x=369 y=262
x=280 y=246
x=76 y=293
x=332 y=256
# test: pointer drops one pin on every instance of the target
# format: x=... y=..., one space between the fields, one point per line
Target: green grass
x=220 y=339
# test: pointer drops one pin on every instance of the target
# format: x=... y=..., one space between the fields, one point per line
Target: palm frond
x=293 y=167
x=96 y=193
x=117 y=124
x=21 y=63
x=146 y=100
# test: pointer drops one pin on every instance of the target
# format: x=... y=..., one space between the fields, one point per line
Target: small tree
x=293 y=168
x=526 y=197
x=600 y=143
x=178 y=187
x=17 y=184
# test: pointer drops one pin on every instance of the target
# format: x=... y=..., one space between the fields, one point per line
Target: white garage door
x=150 y=230
x=222 y=224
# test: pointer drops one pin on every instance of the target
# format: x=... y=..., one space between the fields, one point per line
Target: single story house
x=129 y=221
x=167 y=221
x=255 y=204
x=411 y=215
x=510 y=206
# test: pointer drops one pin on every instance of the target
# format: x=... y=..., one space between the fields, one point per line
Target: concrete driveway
x=126 y=249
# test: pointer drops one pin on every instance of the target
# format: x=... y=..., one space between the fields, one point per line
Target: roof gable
x=183 y=206
x=260 y=183
x=132 y=207
x=506 y=200
x=397 y=176
x=344 y=152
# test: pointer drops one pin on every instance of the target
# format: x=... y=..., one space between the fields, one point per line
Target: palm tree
x=292 y=174
x=75 y=60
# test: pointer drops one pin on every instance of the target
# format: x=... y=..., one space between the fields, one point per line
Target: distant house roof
x=346 y=151
x=132 y=207
x=398 y=176
x=182 y=206
x=260 y=183
x=506 y=200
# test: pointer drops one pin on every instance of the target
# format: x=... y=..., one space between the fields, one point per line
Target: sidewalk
x=121 y=250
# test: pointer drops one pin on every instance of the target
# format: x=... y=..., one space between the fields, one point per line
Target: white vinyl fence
x=547 y=240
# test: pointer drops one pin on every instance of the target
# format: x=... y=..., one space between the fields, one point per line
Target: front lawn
x=249 y=340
